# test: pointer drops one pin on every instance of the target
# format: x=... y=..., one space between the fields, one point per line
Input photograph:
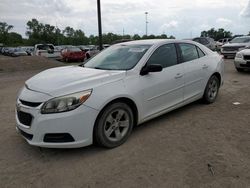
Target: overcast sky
x=181 y=18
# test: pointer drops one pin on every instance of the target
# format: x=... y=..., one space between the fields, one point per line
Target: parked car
x=235 y=45
x=28 y=49
x=121 y=87
x=5 y=50
x=206 y=41
x=62 y=47
x=90 y=50
x=242 y=60
x=72 y=53
x=47 y=50
x=9 y=51
x=221 y=42
x=18 y=52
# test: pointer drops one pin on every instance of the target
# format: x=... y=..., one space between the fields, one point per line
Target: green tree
x=4 y=31
x=136 y=37
x=216 y=34
x=14 y=39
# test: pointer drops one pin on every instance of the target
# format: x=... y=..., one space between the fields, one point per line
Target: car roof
x=155 y=42
x=243 y=37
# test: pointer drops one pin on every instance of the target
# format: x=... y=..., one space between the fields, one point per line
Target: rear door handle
x=178 y=75
x=204 y=66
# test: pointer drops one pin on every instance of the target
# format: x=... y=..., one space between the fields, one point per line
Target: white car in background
x=47 y=50
x=121 y=87
x=242 y=60
x=221 y=42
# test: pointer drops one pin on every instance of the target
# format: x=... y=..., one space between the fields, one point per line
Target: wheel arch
x=125 y=100
x=218 y=75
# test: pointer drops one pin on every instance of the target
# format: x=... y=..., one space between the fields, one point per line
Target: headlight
x=65 y=103
x=239 y=55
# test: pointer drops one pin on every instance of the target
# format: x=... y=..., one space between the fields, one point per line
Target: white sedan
x=242 y=60
x=123 y=86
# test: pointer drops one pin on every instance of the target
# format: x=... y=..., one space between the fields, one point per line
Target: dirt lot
x=173 y=150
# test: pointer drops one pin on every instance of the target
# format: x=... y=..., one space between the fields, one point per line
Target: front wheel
x=212 y=90
x=114 y=125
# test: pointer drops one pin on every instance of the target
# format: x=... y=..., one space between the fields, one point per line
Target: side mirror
x=151 y=68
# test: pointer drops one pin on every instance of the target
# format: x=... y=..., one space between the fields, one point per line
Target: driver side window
x=165 y=56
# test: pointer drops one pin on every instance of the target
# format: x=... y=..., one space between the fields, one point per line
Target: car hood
x=245 y=51
x=70 y=79
x=236 y=44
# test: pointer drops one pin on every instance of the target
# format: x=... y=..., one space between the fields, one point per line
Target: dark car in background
x=72 y=54
x=206 y=41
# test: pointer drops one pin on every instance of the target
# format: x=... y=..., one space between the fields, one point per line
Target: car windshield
x=241 y=40
x=118 y=57
x=45 y=47
x=73 y=49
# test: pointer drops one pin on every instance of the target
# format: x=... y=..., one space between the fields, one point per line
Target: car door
x=162 y=90
x=195 y=67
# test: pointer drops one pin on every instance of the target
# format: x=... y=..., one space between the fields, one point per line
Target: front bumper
x=228 y=53
x=77 y=123
x=241 y=63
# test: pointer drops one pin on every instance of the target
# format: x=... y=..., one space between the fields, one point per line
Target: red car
x=73 y=54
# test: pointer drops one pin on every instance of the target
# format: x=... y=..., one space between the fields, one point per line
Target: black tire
x=225 y=57
x=240 y=69
x=102 y=124
x=210 y=94
x=87 y=56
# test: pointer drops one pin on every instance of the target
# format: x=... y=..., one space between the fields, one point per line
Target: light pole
x=146 y=16
x=99 y=23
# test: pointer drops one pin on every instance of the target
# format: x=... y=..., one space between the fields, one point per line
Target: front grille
x=24 y=118
x=31 y=104
x=231 y=49
x=26 y=135
x=247 y=57
x=58 y=138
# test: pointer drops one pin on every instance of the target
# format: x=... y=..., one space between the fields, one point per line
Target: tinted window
x=188 y=52
x=165 y=56
x=204 y=41
x=197 y=40
x=200 y=52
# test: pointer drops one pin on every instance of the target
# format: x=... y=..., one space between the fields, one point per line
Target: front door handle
x=204 y=66
x=178 y=75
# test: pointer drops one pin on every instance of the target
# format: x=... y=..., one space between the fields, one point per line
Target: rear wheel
x=225 y=57
x=114 y=125
x=239 y=69
x=211 y=90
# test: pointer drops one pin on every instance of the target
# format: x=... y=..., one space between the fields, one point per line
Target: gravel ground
x=195 y=146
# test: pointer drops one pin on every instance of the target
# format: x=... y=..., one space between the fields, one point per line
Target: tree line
x=45 y=33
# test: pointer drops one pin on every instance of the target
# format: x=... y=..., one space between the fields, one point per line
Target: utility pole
x=99 y=23
x=146 y=16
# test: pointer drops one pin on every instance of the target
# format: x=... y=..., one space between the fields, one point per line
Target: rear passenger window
x=200 y=52
x=165 y=56
x=188 y=52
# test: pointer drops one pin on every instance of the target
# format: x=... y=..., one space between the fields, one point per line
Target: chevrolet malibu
x=123 y=86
